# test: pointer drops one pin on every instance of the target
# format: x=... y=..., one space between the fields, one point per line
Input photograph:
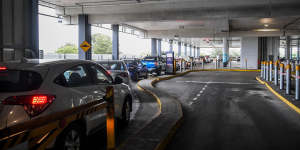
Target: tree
x=68 y=48
x=101 y=44
x=217 y=52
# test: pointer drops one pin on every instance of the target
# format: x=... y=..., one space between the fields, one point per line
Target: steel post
x=276 y=73
x=281 y=76
x=271 y=71
x=297 y=82
x=267 y=71
x=262 y=69
x=288 y=79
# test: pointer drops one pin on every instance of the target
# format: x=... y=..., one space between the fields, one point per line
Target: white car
x=57 y=86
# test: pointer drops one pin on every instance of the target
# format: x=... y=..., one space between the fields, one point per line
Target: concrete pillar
x=191 y=50
x=249 y=51
x=179 y=48
x=195 y=52
x=272 y=46
x=225 y=51
x=84 y=29
x=185 y=50
x=171 y=45
x=19 y=28
x=159 y=47
x=288 y=48
x=198 y=52
x=153 y=47
x=115 y=41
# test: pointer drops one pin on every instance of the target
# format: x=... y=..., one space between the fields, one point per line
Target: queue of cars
x=32 y=88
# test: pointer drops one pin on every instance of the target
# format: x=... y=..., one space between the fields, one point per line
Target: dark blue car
x=136 y=69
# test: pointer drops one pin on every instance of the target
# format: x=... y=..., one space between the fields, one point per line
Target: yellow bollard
x=110 y=120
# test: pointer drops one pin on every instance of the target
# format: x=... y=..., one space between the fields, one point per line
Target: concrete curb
x=295 y=108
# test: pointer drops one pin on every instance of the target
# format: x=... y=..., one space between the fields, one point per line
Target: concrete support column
x=288 y=48
x=153 y=47
x=185 y=50
x=194 y=52
x=198 y=52
x=171 y=45
x=225 y=51
x=273 y=44
x=179 y=48
x=191 y=50
x=159 y=47
x=249 y=52
x=84 y=29
x=19 y=28
x=298 y=51
x=115 y=41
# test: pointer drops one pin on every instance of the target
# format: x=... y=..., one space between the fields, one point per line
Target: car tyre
x=73 y=137
x=146 y=76
x=126 y=113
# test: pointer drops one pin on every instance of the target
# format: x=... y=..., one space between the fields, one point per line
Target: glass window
x=74 y=77
x=19 y=81
x=99 y=75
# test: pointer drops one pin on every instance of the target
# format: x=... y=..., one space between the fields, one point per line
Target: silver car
x=57 y=86
x=116 y=68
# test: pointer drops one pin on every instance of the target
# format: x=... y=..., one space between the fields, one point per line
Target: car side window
x=99 y=75
x=74 y=77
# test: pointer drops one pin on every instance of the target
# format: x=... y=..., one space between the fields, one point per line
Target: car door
x=101 y=80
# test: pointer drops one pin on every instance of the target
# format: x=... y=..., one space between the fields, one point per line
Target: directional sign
x=85 y=46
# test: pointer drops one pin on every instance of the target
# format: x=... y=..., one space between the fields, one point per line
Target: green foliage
x=68 y=48
x=101 y=44
x=217 y=52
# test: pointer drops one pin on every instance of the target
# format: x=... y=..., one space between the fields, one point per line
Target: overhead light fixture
x=266 y=30
x=266 y=25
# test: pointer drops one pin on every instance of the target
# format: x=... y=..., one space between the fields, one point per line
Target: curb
x=295 y=108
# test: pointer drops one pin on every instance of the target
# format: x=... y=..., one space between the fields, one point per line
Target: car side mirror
x=118 y=80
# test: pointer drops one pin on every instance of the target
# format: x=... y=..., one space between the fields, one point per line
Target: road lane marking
x=198 y=95
x=201 y=92
x=195 y=99
x=201 y=82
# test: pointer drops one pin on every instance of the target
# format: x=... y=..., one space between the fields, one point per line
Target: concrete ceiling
x=189 y=18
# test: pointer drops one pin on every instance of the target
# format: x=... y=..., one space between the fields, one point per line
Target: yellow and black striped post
x=110 y=120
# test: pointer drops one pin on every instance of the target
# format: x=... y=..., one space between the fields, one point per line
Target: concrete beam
x=198 y=11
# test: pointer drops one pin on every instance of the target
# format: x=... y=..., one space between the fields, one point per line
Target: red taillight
x=108 y=72
x=156 y=63
x=33 y=104
x=2 y=68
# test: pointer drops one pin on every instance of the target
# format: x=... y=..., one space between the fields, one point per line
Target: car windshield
x=19 y=81
x=112 y=65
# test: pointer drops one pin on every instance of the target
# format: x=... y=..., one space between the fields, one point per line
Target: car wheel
x=72 y=138
x=146 y=76
x=158 y=73
x=126 y=112
x=136 y=77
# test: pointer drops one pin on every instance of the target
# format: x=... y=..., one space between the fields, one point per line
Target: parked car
x=136 y=69
x=31 y=89
x=155 y=64
x=116 y=68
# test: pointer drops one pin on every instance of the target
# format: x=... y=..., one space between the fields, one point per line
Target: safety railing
x=282 y=74
x=40 y=132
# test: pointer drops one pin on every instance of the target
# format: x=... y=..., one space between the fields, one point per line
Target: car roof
x=110 y=61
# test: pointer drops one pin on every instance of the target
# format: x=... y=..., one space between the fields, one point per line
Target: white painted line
x=198 y=95
x=201 y=92
x=237 y=83
x=195 y=99
x=203 y=89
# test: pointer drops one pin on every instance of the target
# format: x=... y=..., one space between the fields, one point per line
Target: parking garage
x=149 y=74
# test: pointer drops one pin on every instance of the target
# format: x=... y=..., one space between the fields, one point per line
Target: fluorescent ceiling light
x=266 y=30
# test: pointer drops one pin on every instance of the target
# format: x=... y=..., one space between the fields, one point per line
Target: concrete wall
x=249 y=51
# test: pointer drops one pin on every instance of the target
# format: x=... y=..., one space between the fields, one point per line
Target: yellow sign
x=85 y=46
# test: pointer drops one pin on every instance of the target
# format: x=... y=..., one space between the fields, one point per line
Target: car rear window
x=112 y=65
x=150 y=58
x=19 y=81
